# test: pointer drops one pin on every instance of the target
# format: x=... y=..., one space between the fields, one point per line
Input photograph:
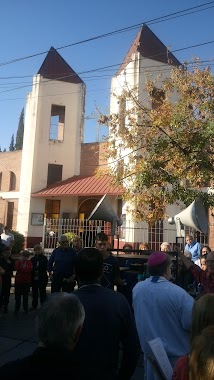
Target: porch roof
x=80 y=186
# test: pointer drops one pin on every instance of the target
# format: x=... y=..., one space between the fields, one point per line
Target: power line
x=155 y=20
x=201 y=62
x=105 y=67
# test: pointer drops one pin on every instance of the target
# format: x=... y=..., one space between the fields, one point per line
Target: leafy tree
x=0 y=149
x=161 y=145
x=18 y=242
x=20 y=132
x=4 y=150
x=11 y=147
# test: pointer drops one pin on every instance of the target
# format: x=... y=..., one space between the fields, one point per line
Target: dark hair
x=101 y=236
x=88 y=265
x=201 y=359
x=26 y=253
x=159 y=270
x=127 y=247
x=205 y=246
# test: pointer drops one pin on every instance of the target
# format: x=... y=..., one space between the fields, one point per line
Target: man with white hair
x=59 y=324
x=165 y=247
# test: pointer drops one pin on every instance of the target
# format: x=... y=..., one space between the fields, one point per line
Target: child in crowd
x=23 y=268
x=8 y=264
x=144 y=247
x=203 y=263
x=39 y=276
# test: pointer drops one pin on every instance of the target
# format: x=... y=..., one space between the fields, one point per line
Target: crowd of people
x=87 y=330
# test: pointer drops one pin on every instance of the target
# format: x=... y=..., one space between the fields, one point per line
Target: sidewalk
x=17 y=333
x=18 y=338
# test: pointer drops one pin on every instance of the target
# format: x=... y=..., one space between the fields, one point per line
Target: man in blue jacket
x=60 y=267
x=193 y=247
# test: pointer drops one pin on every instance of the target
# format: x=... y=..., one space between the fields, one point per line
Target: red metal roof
x=80 y=186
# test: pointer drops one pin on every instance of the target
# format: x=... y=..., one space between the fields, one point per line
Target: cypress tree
x=20 y=132
x=11 y=147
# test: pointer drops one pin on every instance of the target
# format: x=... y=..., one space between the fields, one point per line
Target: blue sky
x=30 y=27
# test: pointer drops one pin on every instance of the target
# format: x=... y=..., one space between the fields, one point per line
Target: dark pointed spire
x=149 y=46
x=55 y=67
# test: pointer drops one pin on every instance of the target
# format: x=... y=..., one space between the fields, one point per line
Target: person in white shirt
x=7 y=237
x=162 y=310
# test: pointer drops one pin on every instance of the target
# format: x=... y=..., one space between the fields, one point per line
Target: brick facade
x=9 y=162
x=93 y=157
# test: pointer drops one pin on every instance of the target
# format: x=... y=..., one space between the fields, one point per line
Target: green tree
x=164 y=141
x=20 y=132
x=11 y=147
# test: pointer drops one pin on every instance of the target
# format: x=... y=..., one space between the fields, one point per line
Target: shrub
x=18 y=242
x=70 y=236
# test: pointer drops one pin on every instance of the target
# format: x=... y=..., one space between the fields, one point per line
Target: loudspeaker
x=103 y=211
x=193 y=216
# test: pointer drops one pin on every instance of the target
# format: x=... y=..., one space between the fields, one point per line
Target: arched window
x=12 y=181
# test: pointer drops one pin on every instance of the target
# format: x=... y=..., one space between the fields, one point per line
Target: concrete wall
x=38 y=150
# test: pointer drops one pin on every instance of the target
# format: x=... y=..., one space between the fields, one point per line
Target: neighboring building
x=54 y=176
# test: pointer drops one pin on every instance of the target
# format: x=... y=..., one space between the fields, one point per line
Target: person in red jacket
x=23 y=268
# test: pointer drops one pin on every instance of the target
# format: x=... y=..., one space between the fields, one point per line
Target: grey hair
x=59 y=318
x=165 y=243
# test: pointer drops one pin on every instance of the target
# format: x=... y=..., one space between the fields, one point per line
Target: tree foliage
x=18 y=242
x=20 y=132
x=162 y=149
x=12 y=147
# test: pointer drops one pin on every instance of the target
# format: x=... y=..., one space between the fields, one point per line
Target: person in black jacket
x=8 y=264
x=109 y=345
x=2 y=246
x=39 y=276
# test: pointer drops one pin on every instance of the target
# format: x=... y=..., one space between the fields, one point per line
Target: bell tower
x=54 y=122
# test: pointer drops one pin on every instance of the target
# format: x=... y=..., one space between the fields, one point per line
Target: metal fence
x=87 y=231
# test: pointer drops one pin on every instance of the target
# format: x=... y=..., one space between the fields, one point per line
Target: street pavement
x=18 y=337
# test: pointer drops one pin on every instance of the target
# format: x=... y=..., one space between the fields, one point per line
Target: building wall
x=9 y=161
x=92 y=158
x=39 y=150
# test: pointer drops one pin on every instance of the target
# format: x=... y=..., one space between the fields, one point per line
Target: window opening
x=57 y=123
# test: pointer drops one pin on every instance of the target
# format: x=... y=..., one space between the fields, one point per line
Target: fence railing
x=87 y=231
